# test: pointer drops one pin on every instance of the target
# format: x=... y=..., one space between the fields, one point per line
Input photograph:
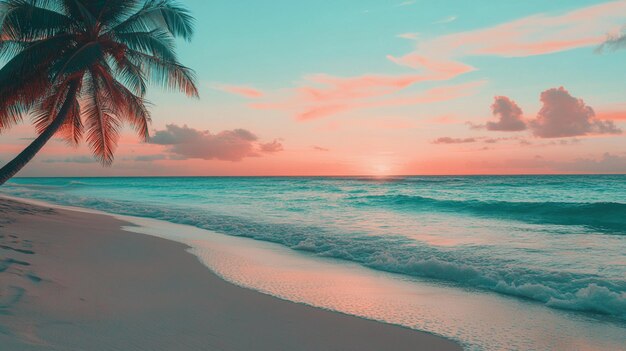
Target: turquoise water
x=558 y=241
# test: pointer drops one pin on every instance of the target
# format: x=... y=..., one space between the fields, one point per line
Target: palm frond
x=168 y=74
x=107 y=49
x=157 y=43
x=114 y=11
x=35 y=57
x=10 y=48
x=24 y=79
x=78 y=60
x=49 y=108
x=31 y=20
x=159 y=14
x=124 y=104
x=130 y=74
x=79 y=9
x=19 y=98
x=19 y=101
x=135 y=112
x=100 y=121
x=72 y=130
x=12 y=114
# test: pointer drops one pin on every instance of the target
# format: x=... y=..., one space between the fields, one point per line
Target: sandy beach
x=312 y=175
x=71 y=280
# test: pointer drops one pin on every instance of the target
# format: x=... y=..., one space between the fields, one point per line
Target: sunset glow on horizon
x=380 y=88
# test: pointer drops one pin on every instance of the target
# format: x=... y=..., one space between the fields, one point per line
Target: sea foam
x=586 y=292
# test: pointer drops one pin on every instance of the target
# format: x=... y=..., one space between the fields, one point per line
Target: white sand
x=76 y=281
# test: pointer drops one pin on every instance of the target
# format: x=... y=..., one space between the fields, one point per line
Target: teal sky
x=276 y=47
x=275 y=43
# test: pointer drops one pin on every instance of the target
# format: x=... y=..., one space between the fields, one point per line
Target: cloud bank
x=229 y=145
x=561 y=115
x=608 y=163
x=75 y=159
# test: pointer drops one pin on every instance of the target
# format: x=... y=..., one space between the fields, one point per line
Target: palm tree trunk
x=15 y=165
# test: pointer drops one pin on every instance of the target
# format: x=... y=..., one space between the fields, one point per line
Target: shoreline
x=63 y=289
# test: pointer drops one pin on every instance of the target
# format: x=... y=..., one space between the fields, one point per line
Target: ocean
x=549 y=249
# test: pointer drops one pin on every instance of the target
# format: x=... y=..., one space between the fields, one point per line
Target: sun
x=381 y=169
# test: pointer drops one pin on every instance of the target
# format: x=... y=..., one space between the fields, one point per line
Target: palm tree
x=81 y=67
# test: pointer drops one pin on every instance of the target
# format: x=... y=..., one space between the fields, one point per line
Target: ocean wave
x=76 y=183
x=401 y=179
x=584 y=292
x=606 y=216
x=32 y=186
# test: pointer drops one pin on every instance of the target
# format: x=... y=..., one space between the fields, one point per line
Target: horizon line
x=336 y=176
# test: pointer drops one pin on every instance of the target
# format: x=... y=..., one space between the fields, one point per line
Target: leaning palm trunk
x=96 y=58
x=15 y=165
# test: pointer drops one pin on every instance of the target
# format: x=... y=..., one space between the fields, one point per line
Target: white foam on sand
x=479 y=320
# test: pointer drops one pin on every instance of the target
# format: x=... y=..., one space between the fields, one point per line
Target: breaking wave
x=397 y=254
x=608 y=216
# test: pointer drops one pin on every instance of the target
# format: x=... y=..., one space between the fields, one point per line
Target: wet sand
x=72 y=280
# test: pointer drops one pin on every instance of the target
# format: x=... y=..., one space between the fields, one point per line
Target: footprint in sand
x=24 y=251
x=9 y=296
x=33 y=277
x=7 y=262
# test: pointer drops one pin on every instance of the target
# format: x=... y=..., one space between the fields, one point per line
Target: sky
x=380 y=87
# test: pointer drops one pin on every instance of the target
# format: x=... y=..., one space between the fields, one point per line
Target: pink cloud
x=509 y=115
x=429 y=96
x=271 y=147
x=240 y=90
x=371 y=85
x=539 y=48
x=612 y=115
x=229 y=145
x=450 y=140
x=323 y=95
x=323 y=111
x=563 y=115
x=528 y=36
x=438 y=67
x=344 y=96
x=340 y=88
